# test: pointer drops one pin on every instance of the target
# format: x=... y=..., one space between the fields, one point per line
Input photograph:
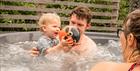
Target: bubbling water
x=16 y=57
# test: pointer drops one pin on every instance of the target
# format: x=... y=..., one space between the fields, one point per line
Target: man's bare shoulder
x=89 y=42
x=88 y=39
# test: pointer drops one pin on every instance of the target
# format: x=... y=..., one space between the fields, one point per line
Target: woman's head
x=130 y=38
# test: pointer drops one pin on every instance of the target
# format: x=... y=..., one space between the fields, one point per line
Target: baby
x=49 y=25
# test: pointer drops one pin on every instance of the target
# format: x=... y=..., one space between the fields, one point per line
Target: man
x=80 y=17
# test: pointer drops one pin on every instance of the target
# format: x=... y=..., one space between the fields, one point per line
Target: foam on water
x=16 y=57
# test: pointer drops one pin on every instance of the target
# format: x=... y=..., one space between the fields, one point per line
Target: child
x=49 y=25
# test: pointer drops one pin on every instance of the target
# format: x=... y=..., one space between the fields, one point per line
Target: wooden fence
x=105 y=13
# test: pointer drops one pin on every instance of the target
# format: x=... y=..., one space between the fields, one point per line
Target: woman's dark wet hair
x=133 y=26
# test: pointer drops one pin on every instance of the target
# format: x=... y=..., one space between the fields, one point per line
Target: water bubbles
x=15 y=49
x=114 y=49
x=14 y=68
x=16 y=57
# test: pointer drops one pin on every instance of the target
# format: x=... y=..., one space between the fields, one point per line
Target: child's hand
x=34 y=51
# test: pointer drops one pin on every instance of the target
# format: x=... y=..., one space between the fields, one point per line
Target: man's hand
x=67 y=43
x=34 y=51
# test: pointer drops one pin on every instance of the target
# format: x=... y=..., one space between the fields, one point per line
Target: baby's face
x=52 y=28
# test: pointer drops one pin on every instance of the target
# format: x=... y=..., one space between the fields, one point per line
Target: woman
x=130 y=44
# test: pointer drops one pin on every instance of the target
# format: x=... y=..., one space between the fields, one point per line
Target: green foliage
x=124 y=7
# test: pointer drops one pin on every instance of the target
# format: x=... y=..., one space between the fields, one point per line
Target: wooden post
x=39 y=13
x=115 y=11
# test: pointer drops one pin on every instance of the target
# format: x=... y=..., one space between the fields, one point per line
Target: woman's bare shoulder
x=111 y=66
x=105 y=66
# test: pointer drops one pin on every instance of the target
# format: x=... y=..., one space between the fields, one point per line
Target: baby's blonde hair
x=45 y=19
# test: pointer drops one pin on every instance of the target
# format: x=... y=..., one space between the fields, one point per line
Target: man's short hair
x=82 y=12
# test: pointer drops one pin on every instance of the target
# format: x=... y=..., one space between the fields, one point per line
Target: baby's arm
x=64 y=45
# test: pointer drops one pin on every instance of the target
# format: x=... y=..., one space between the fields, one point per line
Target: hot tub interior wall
x=33 y=36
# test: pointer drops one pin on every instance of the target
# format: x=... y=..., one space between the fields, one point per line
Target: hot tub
x=15 y=56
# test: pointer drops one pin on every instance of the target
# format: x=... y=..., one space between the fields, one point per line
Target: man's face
x=81 y=24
